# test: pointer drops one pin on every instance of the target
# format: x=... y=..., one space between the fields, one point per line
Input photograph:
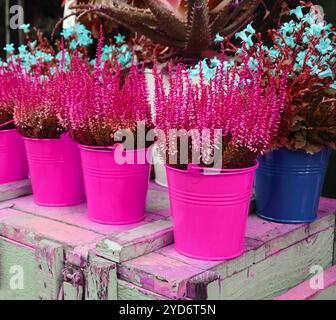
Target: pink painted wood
x=70 y=225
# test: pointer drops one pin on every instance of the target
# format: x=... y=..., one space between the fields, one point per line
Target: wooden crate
x=63 y=255
x=54 y=248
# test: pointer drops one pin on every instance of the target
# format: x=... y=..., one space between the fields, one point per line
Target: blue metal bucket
x=289 y=184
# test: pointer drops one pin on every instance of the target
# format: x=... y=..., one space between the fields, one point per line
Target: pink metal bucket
x=13 y=161
x=210 y=210
x=55 y=170
x=116 y=191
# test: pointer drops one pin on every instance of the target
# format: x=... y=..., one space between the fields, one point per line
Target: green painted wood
x=17 y=260
x=128 y=291
x=101 y=280
x=276 y=274
x=49 y=265
x=15 y=189
x=136 y=242
x=71 y=292
x=327 y=294
x=321 y=286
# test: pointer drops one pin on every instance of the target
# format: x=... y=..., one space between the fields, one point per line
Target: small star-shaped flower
x=25 y=27
x=119 y=39
x=218 y=38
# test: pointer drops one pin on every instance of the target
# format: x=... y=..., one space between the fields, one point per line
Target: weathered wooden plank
x=128 y=291
x=137 y=242
x=49 y=265
x=17 y=271
x=15 y=189
x=278 y=273
x=29 y=229
x=327 y=294
x=160 y=274
x=74 y=215
x=101 y=280
x=72 y=293
x=305 y=291
x=121 y=242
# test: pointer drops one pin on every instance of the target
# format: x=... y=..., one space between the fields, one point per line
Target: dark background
x=45 y=13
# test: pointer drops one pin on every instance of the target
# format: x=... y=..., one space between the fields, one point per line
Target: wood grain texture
x=120 y=243
x=71 y=292
x=17 y=260
x=304 y=290
x=101 y=280
x=15 y=189
x=276 y=274
x=128 y=291
x=49 y=266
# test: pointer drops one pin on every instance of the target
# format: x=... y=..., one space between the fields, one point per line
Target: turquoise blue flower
x=326 y=73
x=84 y=39
x=290 y=41
x=315 y=29
x=297 y=12
x=300 y=58
x=250 y=29
x=52 y=70
x=246 y=39
x=81 y=29
x=67 y=57
x=207 y=71
x=324 y=46
x=31 y=59
x=194 y=72
x=22 y=50
x=287 y=27
x=218 y=38
x=119 y=39
x=333 y=85
x=273 y=53
x=253 y=64
x=108 y=49
x=73 y=44
x=25 y=27
x=123 y=49
x=33 y=44
x=215 y=62
x=9 y=48
x=67 y=32
x=125 y=59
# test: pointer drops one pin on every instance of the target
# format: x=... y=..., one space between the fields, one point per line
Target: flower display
x=232 y=118
x=38 y=107
x=304 y=46
x=9 y=81
x=102 y=103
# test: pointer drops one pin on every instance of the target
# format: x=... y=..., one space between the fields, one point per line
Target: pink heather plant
x=9 y=79
x=102 y=103
x=38 y=111
x=242 y=117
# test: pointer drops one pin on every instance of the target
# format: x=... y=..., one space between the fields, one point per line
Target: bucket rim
x=39 y=139
x=223 y=171
x=107 y=149
x=9 y=130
